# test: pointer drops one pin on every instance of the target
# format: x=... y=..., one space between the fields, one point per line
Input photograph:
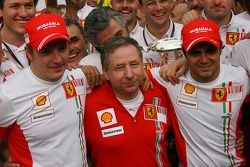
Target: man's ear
x=105 y=74
x=29 y=54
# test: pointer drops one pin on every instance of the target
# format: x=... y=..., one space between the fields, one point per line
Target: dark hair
x=99 y=19
x=116 y=42
x=2 y=2
x=69 y=22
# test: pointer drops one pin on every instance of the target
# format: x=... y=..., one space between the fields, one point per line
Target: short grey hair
x=116 y=42
x=99 y=19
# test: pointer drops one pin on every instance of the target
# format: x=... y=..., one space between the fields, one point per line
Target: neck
x=222 y=21
x=131 y=25
x=158 y=31
x=11 y=37
x=71 y=12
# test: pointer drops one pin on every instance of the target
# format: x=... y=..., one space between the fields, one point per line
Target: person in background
x=232 y=28
x=246 y=13
x=15 y=14
x=102 y=24
x=178 y=11
x=78 y=43
x=158 y=26
x=128 y=9
x=194 y=11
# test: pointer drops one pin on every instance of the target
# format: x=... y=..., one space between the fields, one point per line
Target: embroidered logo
x=189 y=88
x=219 y=94
x=41 y=100
x=232 y=38
x=106 y=117
x=150 y=112
x=69 y=89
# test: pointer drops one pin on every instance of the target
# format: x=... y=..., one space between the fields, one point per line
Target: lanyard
x=171 y=35
x=12 y=54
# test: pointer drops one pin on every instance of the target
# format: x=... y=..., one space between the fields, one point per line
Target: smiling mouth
x=72 y=56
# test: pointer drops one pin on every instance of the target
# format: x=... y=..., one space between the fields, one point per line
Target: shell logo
x=106 y=117
x=189 y=88
x=41 y=100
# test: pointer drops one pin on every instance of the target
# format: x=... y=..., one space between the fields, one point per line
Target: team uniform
x=116 y=137
x=244 y=15
x=11 y=66
x=240 y=57
x=152 y=59
x=135 y=33
x=84 y=12
x=207 y=116
x=240 y=54
x=43 y=120
x=230 y=34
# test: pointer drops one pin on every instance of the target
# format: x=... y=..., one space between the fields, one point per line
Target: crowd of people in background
x=80 y=84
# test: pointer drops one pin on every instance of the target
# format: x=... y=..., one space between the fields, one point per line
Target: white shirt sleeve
x=8 y=114
x=240 y=55
x=156 y=74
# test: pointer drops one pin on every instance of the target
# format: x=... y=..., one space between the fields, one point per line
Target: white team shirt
x=207 y=115
x=49 y=116
x=244 y=15
x=145 y=38
x=240 y=54
x=135 y=33
x=84 y=12
x=10 y=66
x=231 y=34
x=93 y=59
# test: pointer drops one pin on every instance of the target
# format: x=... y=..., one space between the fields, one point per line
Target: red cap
x=200 y=31
x=43 y=29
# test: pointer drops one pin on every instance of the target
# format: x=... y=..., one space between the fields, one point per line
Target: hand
x=190 y=16
x=147 y=83
x=171 y=72
x=93 y=75
x=240 y=142
x=11 y=164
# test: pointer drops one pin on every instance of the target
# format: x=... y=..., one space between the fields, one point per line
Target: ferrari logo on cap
x=232 y=38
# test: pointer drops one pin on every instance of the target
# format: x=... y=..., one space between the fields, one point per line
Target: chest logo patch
x=232 y=38
x=151 y=112
x=189 y=89
x=41 y=101
x=219 y=94
x=69 y=89
x=106 y=117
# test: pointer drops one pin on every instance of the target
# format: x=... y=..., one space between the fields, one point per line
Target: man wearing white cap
x=207 y=100
x=41 y=108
